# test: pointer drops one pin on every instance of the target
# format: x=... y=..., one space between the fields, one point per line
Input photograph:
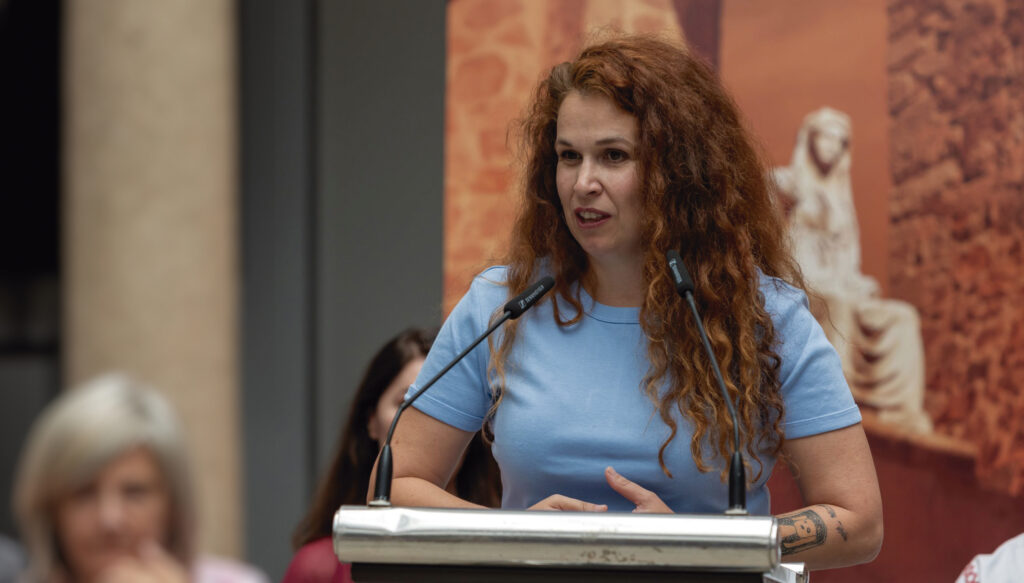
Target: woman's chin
x=97 y=561
x=610 y=254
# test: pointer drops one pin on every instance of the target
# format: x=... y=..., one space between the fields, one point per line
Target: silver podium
x=433 y=544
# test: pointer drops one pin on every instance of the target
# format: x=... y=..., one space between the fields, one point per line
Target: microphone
x=512 y=310
x=737 y=475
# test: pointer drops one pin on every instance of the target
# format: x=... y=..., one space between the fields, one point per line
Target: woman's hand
x=646 y=501
x=151 y=565
x=559 y=502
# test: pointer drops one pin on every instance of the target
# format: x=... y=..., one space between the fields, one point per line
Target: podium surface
x=390 y=544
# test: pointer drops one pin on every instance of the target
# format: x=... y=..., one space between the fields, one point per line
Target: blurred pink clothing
x=209 y=569
x=316 y=563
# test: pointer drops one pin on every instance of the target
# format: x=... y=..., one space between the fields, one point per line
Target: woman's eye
x=84 y=493
x=568 y=156
x=137 y=491
x=616 y=155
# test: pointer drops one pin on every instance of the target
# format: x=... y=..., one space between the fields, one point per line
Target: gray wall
x=342 y=111
x=380 y=174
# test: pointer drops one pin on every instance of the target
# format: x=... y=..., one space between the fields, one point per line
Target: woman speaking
x=602 y=397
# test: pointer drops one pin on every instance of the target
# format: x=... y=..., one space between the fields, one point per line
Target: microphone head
x=680 y=276
x=524 y=301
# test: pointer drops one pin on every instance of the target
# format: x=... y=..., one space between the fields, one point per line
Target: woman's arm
x=842 y=522
x=425 y=455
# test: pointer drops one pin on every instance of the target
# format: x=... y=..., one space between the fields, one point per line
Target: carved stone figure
x=878 y=339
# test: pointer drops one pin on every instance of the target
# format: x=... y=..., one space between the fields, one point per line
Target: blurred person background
x=12 y=560
x=388 y=375
x=230 y=201
x=104 y=492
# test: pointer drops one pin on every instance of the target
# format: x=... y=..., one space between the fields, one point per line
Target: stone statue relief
x=878 y=339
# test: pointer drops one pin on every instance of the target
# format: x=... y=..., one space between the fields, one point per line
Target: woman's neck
x=619 y=284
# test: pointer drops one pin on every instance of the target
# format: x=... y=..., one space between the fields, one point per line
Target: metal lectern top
x=605 y=541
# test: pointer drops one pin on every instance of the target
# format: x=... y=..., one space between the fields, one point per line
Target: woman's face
x=125 y=505
x=596 y=176
x=387 y=406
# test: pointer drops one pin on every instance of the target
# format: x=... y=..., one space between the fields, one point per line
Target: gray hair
x=78 y=434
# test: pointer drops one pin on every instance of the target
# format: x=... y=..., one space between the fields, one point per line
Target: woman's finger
x=161 y=565
x=629 y=489
x=125 y=570
x=564 y=503
x=645 y=500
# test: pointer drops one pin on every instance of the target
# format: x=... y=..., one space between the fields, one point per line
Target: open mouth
x=590 y=217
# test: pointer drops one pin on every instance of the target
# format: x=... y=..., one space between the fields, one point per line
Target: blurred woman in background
x=378 y=397
x=104 y=492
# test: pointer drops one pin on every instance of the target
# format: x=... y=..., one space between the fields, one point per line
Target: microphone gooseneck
x=512 y=310
x=737 y=474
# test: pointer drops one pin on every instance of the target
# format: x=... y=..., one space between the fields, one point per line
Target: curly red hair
x=704 y=193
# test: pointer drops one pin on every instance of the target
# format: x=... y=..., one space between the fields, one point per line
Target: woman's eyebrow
x=601 y=142
x=613 y=140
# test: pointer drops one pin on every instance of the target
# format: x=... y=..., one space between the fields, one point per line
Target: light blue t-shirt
x=574 y=402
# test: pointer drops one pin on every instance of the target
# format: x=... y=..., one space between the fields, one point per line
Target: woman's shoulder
x=314 y=561
x=789 y=308
x=210 y=569
x=495 y=275
x=781 y=298
x=489 y=289
x=488 y=286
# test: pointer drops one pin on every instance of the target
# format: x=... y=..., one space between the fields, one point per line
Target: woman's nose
x=111 y=511
x=587 y=181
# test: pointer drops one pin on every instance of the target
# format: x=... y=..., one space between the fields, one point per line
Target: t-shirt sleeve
x=461 y=398
x=814 y=390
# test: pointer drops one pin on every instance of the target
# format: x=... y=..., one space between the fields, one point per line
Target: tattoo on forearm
x=839 y=524
x=801 y=531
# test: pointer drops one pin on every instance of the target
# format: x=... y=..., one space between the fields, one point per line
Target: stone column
x=149 y=221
